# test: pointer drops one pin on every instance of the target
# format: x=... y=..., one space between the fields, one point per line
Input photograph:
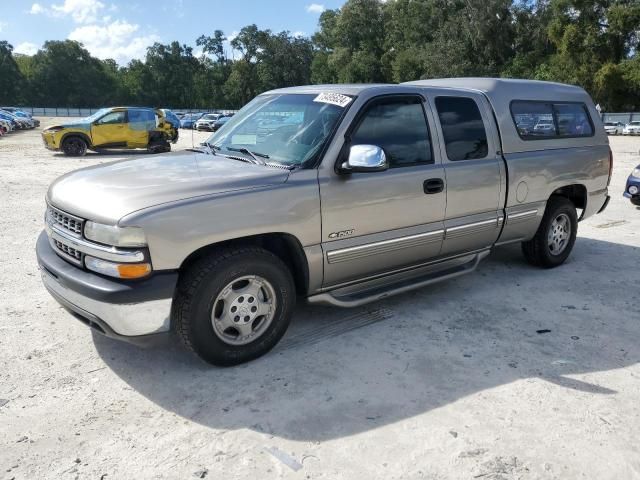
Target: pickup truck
x=337 y=195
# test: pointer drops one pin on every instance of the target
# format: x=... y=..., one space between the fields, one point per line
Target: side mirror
x=365 y=158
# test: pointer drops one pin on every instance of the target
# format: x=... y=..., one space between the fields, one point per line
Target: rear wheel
x=234 y=305
x=74 y=147
x=556 y=235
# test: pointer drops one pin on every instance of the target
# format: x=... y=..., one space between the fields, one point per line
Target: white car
x=206 y=121
x=632 y=128
x=613 y=128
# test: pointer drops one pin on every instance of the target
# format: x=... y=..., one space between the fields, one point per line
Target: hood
x=74 y=125
x=106 y=193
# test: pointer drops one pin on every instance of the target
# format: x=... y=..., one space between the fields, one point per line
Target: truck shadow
x=341 y=372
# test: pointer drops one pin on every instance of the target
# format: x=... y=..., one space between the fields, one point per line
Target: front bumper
x=49 y=140
x=134 y=311
x=635 y=199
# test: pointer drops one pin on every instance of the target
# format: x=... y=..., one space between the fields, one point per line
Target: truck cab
x=338 y=195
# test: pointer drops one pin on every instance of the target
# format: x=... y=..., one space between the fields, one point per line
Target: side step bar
x=367 y=292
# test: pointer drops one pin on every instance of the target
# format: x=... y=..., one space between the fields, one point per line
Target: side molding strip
x=521 y=216
x=385 y=246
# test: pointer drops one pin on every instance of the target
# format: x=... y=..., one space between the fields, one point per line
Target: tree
x=11 y=79
x=65 y=74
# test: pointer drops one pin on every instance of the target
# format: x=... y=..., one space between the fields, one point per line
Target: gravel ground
x=457 y=380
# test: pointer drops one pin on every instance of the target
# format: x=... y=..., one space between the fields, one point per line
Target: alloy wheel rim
x=559 y=234
x=243 y=310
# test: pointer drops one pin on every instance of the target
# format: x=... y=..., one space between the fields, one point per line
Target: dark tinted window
x=141 y=116
x=464 y=134
x=142 y=119
x=573 y=120
x=536 y=120
x=399 y=127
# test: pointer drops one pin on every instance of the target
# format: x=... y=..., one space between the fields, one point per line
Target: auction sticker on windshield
x=334 y=99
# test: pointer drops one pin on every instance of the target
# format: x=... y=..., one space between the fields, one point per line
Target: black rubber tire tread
x=194 y=287
x=536 y=250
x=74 y=137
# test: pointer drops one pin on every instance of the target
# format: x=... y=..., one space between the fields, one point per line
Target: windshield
x=286 y=128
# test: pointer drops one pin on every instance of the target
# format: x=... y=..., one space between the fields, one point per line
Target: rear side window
x=142 y=119
x=544 y=120
x=464 y=134
x=399 y=127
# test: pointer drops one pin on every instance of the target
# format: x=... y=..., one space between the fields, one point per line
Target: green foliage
x=591 y=43
x=11 y=79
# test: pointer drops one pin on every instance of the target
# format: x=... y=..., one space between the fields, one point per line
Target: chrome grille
x=65 y=221
x=68 y=251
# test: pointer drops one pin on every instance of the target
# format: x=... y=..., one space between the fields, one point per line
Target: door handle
x=433 y=185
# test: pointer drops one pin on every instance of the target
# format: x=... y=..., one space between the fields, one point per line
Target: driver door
x=377 y=222
x=110 y=130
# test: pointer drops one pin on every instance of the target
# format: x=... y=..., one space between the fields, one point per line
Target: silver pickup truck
x=340 y=195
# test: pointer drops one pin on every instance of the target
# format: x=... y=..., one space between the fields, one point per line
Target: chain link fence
x=623 y=118
x=85 y=112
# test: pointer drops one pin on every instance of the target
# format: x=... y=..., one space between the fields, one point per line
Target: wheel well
x=577 y=194
x=76 y=134
x=283 y=245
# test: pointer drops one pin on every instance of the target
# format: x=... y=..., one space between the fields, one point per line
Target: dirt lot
x=457 y=380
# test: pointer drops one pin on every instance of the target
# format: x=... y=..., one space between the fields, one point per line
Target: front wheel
x=74 y=147
x=556 y=235
x=235 y=305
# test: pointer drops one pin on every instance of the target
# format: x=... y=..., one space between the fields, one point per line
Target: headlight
x=53 y=129
x=636 y=172
x=118 y=270
x=114 y=235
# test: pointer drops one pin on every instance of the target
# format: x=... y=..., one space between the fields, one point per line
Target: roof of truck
x=511 y=88
x=344 y=88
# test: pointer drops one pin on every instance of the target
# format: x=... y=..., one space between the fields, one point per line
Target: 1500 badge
x=343 y=233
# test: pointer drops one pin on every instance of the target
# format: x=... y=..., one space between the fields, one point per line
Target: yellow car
x=118 y=127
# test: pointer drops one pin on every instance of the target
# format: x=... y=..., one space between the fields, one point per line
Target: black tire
x=199 y=288
x=537 y=251
x=74 y=146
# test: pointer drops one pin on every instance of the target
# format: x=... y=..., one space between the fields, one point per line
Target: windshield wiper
x=253 y=155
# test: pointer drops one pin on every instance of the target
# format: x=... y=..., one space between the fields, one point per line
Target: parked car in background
x=218 y=124
x=206 y=121
x=367 y=192
x=33 y=121
x=544 y=127
x=16 y=109
x=632 y=189
x=613 y=128
x=16 y=122
x=632 y=128
x=5 y=125
x=119 y=127
x=189 y=120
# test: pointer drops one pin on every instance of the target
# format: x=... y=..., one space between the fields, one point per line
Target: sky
x=122 y=30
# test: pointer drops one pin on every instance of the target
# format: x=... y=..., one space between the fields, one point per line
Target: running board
x=395 y=284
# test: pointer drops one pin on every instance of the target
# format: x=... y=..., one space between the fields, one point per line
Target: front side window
x=399 y=127
x=285 y=128
x=112 y=118
x=463 y=130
